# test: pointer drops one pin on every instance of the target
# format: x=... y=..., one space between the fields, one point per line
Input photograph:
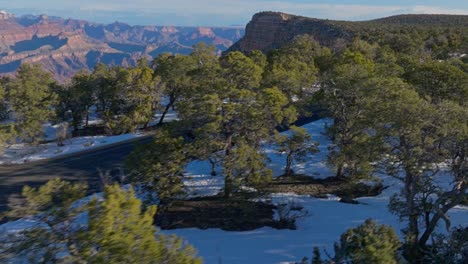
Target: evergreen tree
x=230 y=114
x=174 y=71
x=76 y=100
x=159 y=165
x=296 y=146
x=136 y=99
x=32 y=100
x=367 y=244
x=120 y=232
x=439 y=81
x=292 y=68
x=117 y=230
x=346 y=94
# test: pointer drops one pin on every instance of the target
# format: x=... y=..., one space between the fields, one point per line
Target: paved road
x=83 y=166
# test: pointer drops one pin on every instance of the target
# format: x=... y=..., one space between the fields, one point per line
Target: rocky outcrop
x=270 y=30
x=64 y=46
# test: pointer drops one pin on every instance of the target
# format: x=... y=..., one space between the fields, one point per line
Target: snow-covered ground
x=326 y=219
x=21 y=153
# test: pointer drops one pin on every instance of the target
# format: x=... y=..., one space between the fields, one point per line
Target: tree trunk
x=413 y=252
x=213 y=167
x=287 y=170
x=168 y=106
x=87 y=117
x=228 y=186
x=228 y=181
x=339 y=171
x=459 y=196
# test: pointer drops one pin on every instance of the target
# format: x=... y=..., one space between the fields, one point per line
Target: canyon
x=65 y=46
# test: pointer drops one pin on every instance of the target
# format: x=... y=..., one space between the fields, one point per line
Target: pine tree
x=32 y=101
x=117 y=230
x=120 y=232
x=174 y=72
x=76 y=99
x=159 y=165
x=367 y=244
x=296 y=146
x=230 y=114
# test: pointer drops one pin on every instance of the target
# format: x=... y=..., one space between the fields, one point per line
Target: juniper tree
x=230 y=112
x=31 y=99
x=367 y=244
x=345 y=93
x=292 y=68
x=297 y=146
x=417 y=136
x=120 y=231
x=159 y=165
x=174 y=71
x=76 y=99
x=117 y=229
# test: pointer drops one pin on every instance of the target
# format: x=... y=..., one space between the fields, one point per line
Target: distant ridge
x=64 y=46
x=425 y=20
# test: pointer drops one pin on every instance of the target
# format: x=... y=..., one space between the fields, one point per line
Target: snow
x=315 y=165
x=21 y=153
x=324 y=221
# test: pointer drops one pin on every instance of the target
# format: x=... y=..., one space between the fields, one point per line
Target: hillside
x=270 y=30
x=64 y=46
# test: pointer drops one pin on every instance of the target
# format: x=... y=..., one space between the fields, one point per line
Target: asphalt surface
x=82 y=166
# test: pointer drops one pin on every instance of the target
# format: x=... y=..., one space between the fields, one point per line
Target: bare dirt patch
x=306 y=185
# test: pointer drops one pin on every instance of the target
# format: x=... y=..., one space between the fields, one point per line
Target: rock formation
x=271 y=30
x=64 y=46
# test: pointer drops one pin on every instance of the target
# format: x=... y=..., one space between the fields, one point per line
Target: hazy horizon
x=225 y=12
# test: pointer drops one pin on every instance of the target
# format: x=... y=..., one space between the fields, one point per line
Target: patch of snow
x=21 y=153
x=325 y=221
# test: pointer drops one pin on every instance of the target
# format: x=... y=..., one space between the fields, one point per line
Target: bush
x=368 y=243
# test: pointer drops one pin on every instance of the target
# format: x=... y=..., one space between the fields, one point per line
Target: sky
x=224 y=12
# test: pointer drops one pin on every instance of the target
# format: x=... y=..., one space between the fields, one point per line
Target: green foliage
x=53 y=197
x=367 y=244
x=76 y=99
x=31 y=99
x=440 y=81
x=316 y=258
x=292 y=68
x=241 y=71
x=118 y=229
x=346 y=94
x=449 y=249
x=229 y=115
x=174 y=72
x=51 y=205
x=245 y=165
x=296 y=146
x=120 y=232
x=159 y=165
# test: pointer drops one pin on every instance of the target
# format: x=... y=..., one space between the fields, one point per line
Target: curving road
x=81 y=166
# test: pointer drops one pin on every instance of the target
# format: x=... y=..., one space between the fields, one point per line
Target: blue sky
x=225 y=12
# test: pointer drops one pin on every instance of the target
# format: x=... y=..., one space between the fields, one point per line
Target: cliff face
x=64 y=46
x=270 y=30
